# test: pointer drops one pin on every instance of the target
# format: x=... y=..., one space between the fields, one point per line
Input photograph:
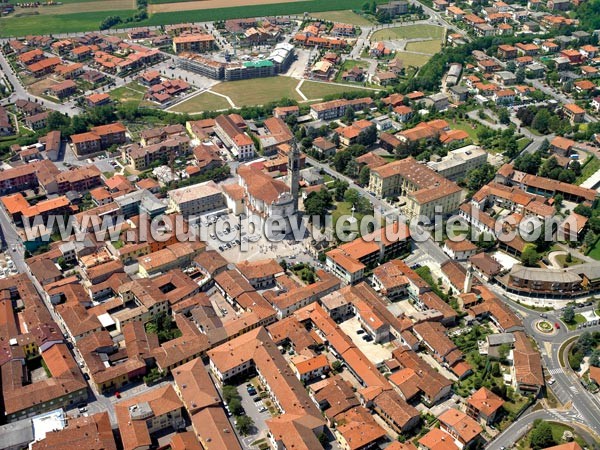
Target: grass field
x=51 y=24
x=202 y=102
x=590 y=167
x=413 y=59
x=348 y=65
x=430 y=47
x=409 y=32
x=343 y=17
x=258 y=91
x=595 y=251
x=130 y=93
x=314 y=90
x=467 y=127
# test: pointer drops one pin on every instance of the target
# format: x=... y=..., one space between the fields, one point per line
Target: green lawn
x=60 y=23
x=409 y=32
x=522 y=143
x=467 y=126
x=578 y=319
x=562 y=260
x=344 y=208
x=349 y=64
x=590 y=167
x=343 y=17
x=558 y=430
x=202 y=102
x=258 y=91
x=132 y=92
x=595 y=251
x=316 y=90
x=431 y=47
x=413 y=59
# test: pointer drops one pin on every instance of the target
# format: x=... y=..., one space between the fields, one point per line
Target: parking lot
x=377 y=353
x=257 y=412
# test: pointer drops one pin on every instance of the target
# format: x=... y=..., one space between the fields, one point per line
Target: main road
x=585 y=407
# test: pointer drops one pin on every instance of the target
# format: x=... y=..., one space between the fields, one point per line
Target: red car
x=118 y=394
x=556 y=325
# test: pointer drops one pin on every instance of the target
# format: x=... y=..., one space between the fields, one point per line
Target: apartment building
x=457 y=163
x=197 y=42
x=229 y=129
x=196 y=199
x=99 y=138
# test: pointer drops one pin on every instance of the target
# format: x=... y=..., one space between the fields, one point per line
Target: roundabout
x=545 y=327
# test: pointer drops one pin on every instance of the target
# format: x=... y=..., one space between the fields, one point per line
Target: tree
x=541 y=435
x=339 y=187
x=569 y=258
x=109 y=22
x=586 y=342
x=583 y=210
x=530 y=256
x=368 y=137
x=590 y=239
x=480 y=176
x=568 y=314
x=558 y=203
x=541 y=120
x=496 y=369
x=504 y=116
x=520 y=75
x=348 y=116
x=364 y=176
x=336 y=366
x=244 y=424
x=341 y=160
x=229 y=392
x=317 y=204
x=595 y=358
x=235 y=406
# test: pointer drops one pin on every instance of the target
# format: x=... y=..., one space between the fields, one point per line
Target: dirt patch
x=40 y=87
x=210 y=4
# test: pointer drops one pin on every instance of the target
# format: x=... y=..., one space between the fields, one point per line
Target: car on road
x=556 y=325
x=118 y=394
x=551 y=381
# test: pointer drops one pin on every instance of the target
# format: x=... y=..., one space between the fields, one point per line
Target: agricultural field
x=258 y=91
x=14 y=25
x=343 y=17
x=207 y=4
x=315 y=90
x=252 y=8
x=409 y=32
x=76 y=7
x=201 y=102
x=430 y=47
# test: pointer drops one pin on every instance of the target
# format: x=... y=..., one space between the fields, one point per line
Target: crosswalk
x=555 y=371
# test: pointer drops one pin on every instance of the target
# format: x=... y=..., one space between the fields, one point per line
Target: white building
x=457 y=163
